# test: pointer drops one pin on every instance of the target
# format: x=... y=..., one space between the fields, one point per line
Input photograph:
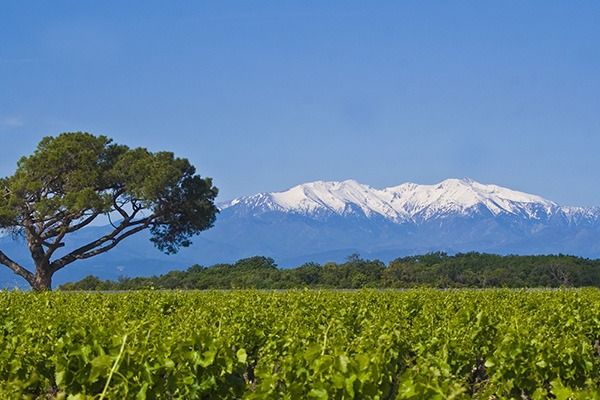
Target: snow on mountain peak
x=461 y=195
x=332 y=196
x=408 y=201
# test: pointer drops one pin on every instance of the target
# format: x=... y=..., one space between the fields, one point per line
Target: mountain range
x=327 y=221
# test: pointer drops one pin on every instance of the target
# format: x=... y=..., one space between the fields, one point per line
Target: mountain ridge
x=408 y=202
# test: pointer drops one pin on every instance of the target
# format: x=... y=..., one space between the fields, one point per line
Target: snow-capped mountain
x=408 y=202
x=321 y=220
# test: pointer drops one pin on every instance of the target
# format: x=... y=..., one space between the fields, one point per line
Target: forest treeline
x=439 y=270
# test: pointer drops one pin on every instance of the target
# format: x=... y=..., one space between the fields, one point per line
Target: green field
x=415 y=344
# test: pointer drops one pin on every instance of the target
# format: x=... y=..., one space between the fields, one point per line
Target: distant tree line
x=440 y=270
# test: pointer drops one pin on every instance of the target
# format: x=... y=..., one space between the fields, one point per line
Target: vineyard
x=304 y=344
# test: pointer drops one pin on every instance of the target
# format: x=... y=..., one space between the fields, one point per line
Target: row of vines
x=415 y=344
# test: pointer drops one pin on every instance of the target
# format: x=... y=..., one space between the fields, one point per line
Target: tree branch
x=60 y=233
x=97 y=246
x=120 y=210
x=34 y=241
x=15 y=267
x=112 y=244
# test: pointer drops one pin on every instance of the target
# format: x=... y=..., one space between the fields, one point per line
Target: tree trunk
x=42 y=281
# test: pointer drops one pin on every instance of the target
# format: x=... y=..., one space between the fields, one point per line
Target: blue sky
x=265 y=95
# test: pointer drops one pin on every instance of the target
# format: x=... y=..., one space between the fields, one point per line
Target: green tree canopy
x=74 y=178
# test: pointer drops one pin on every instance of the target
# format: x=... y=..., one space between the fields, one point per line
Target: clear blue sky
x=264 y=95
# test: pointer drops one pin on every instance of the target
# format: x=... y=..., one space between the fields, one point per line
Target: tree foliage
x=438 y=270
x=75 y=178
